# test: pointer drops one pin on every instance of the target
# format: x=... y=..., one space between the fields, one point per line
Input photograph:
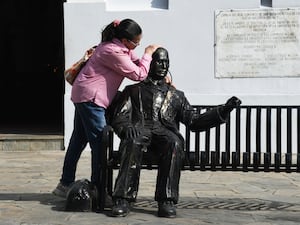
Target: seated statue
x=146 y=118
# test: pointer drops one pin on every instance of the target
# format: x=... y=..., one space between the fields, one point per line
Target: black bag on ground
x=82 y=197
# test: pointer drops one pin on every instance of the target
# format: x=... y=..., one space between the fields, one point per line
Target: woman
x=94 y=89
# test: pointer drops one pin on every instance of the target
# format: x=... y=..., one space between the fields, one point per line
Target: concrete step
x=31 y=142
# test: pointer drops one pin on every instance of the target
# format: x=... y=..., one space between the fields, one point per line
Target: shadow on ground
x=57 y=203
x=148 y=205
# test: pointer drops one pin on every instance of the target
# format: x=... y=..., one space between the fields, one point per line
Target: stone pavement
x=221 y=198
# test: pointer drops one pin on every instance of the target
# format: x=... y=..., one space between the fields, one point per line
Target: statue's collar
x=155 y=82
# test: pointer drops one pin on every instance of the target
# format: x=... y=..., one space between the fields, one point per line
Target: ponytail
x=127 y=29
x=109 y=31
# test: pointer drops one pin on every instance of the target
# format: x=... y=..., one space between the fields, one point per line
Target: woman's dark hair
x=127 y=29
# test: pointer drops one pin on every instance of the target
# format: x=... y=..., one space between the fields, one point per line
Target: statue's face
x=159 y=65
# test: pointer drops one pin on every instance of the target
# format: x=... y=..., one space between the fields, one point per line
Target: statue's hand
x=130 y=132
x=233 y=102
x=229 y=106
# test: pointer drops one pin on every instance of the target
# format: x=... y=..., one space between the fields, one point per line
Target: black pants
x=167 y=147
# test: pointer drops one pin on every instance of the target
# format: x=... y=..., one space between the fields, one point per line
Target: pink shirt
x=101 y=77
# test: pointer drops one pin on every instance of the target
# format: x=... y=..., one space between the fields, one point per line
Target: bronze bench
x=255 y=138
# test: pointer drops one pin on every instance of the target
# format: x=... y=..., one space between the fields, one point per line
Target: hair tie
x=116 y=23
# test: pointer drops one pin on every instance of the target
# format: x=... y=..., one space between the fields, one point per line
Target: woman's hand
x=88 y=53
x=151 y=48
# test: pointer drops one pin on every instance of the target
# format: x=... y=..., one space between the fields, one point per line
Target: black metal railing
x=255 y=138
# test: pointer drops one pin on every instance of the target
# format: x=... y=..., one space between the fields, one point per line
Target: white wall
x=186 y=29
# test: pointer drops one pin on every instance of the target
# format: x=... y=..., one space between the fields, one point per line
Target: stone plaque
x=257 y=43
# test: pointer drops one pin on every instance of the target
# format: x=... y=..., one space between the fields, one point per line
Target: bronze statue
x=147 y=118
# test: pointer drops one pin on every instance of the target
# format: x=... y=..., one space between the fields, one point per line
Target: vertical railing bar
x=298 y=140
x=258 y=129
x=257 y=155
x=268 y=130
x=278 y=130
x=187 y=145
x=278 y=139
x=218 y=143
x=289 y=130
x=197 y=148
x=187 y=139
x=227 y=140
x=238 y=133
x=197 y=144
x=248 y=130
x=207 y=144
x=298 y=129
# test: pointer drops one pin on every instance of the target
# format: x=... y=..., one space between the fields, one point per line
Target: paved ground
x=221 y=198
